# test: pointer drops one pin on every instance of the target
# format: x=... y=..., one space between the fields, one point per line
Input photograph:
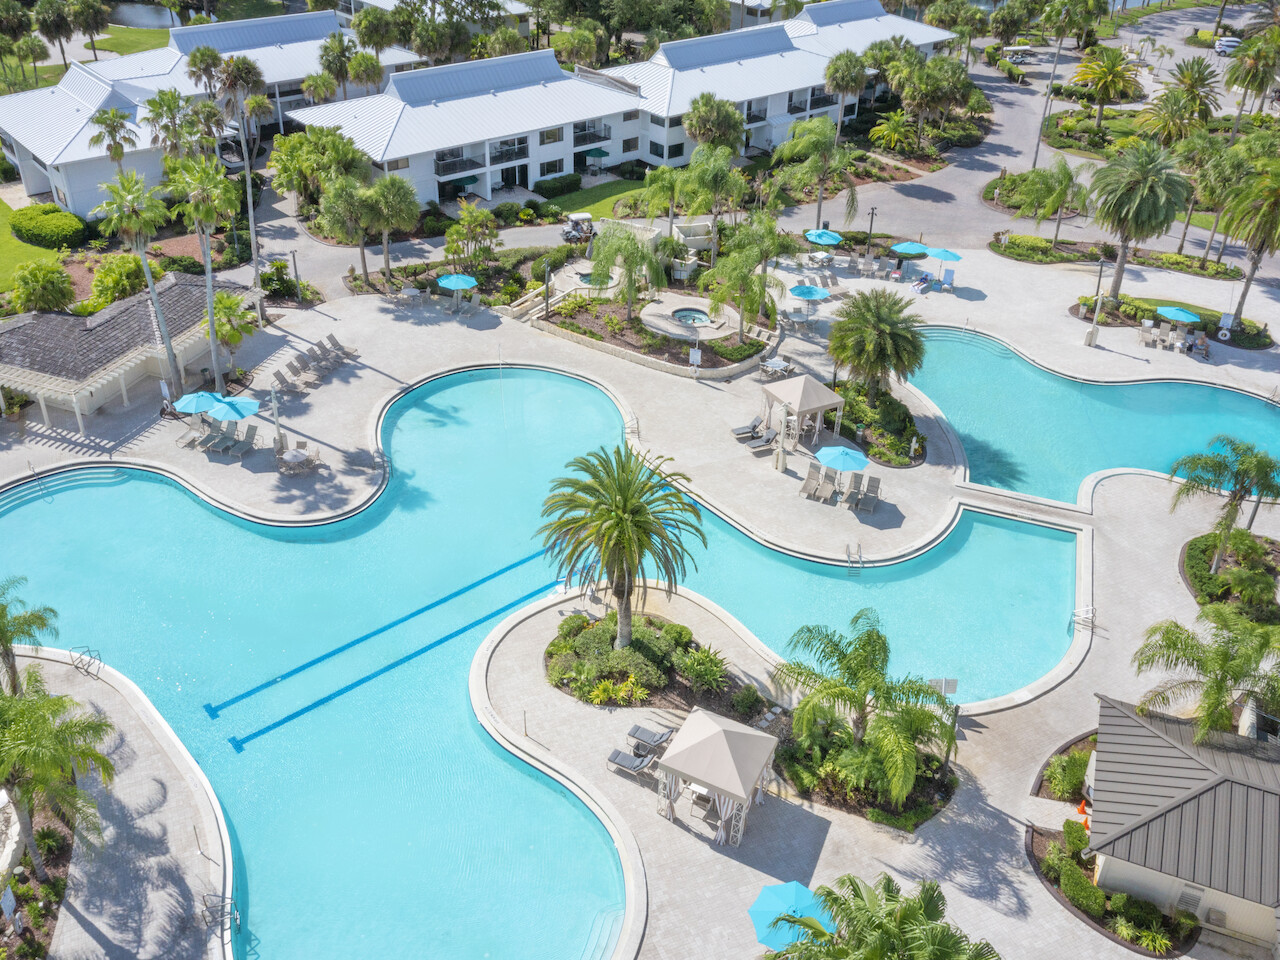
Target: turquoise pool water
x=319 y=675
x=1029 y=430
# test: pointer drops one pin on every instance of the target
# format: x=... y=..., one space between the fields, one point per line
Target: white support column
x=124 y=390
x=75 y=403
x=737 y=823
x=44 y=411
x=279 y=111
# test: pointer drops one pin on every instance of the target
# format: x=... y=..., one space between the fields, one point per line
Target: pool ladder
x=86 y=661
x=1083 y=617
x=40 y=482
x=632 y=428
x=853 y=565
x=218 y=908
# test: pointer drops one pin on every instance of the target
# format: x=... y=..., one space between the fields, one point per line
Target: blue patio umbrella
x=456 y=281
x=843 y=459
x=779 y=898
x=812 y=294
x=909 y=247
x=823 y=238
x=198 y=402
x=943 y=254
x=234 y=408
x=1176 y=314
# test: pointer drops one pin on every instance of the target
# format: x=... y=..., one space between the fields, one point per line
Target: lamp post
x=870 y=230
x=1091 y=338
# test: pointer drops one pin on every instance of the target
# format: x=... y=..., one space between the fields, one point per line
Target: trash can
x=861 y=431
x=826 y=224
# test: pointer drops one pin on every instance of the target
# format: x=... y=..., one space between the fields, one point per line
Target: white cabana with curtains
x=805 y=396
x=731 y=760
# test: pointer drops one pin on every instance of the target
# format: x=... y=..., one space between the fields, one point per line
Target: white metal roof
x=447 y=106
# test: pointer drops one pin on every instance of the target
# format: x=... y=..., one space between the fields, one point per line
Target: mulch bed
x=928 y=789
x=56 y=866
x=668 y=349
x=678 y=695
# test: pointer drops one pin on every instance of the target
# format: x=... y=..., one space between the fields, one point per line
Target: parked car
x=1226 y=46
x=578 y=229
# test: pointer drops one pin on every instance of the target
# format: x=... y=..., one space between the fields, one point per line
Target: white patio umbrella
x=275 y=418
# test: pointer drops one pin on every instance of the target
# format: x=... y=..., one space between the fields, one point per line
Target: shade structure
x=909 y=247
x=942 y=253
x=456 y=281
x=597 y=153
x=805 y=396
x=806 y=292
x=198 y=402
x=1178 y=314
x=823 y=238
x=792 y=898
x=843 y=459
x=234 y=408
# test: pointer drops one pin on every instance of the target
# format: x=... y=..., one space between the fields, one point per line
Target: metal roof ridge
x=1163 y=810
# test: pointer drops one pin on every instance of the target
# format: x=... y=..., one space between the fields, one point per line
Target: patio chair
x=228 y=440
x=870 y=497
x=948 y=280
x=630 y=763
x=861 y=267
x=285 y=383
x=1147 y=335
x=303 y=375
x=196 y=429
x=244 y=446
x=828 y=485
x=811 y=481
x=882 y=269
x=1166 y=331
x=867 y=267
x=747 y=430
x=764 y=440
x=649 y=740
x=320 y=362
x=345 y=351
x=472 y=305
x=852 y=491
x=214 y=435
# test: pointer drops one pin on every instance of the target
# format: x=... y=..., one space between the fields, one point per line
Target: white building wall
x=81 y=183
x=35 y=177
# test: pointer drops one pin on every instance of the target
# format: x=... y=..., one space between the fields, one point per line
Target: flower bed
x=1030 y=249
x=1247 y=576
x=1062 y=776
x=507 y=277
x=888 y=426
x=40 y=903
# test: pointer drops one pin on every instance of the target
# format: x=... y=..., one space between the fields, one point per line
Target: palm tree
x=892 y=131
x=1218 y=183
x=1233 y=657
x=15 y=22
x=620 y=517
x=1199 y=81
x=21 y=625
x=53 y=22
x=875 y=334
x=335 y=58
x=203 y=64
x=636 y=262
x=815 y=143
x=390 y=204
x=1051 y=191
x=366 y=71
x=206 y=124
x=232 y=320
x=1250 y=72
x=505 y=41
x=375 y=28
x=320 y=87
x=1170 y=117
x=90 y=17
x=876 y=920
x=661 y=193
x=45 y=745
x=342 y=214
x=1232 y=468
x=167 y=118
x=32 y=48
x=42 y=285
x=136 y=213
x=707 y=184
x=115 y=133
x=1138 y=195
x=737 y=278
x=207 y=198
x=1111 y=75
x=1253 y=216
x=238 y=79
x=714 y=121
x=846 y=76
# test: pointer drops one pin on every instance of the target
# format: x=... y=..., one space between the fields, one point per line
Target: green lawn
x=126 y=40
x=13 y=251
x=49 y=74
x=598 y=200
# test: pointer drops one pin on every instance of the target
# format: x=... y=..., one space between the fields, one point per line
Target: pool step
x=45 y=487
x=604 y=935
x=972 y=338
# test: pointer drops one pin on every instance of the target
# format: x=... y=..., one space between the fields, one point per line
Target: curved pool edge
x=178 y=755
x=635 y=886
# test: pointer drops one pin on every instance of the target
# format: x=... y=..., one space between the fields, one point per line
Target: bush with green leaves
x=704 y=669
x=1065 y=774
x=558 y=186
x=1074 y=837
x=654 y=646
x=507 y=213
x=1080 y=891
x=1141 y=913
x=41 y=285
x=47 y=225
x=573 y=625
x=50 y=841
x=1054 y=858
x=120 y=275
x=746 y=701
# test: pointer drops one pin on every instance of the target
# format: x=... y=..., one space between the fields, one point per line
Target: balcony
x=822 y=100
x=754 y=114
x=500 y=155
x=584 y=136
x=797 y=106
x=447 y=168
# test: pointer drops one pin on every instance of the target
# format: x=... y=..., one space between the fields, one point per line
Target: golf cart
x=578 y=229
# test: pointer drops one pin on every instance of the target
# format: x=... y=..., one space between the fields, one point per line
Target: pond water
x=148 y=15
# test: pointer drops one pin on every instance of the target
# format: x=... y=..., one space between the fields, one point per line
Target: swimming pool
x=1029 y=430
x=319 y=675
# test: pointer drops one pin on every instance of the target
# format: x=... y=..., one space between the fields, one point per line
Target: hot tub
x=691 y=316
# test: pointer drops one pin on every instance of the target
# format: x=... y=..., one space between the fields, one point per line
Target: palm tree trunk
x=622 y=594
x=1255 y=260
x=364 y=263
x=817 y=222
x=1218 y=25
x=631 y=297
x=839 y=118
x=1222 y=247
x=1186 y=225
x=1204 y=257
x=386 y=256
x=1235 y=127
x=1121 y=260
x=248 y=196
x=1253 y=514
x=63 y=50
x=671 y=218
x=1057 y=227
x=29 y=839
x=206 y=251
x=11 y=670
x=170 y=357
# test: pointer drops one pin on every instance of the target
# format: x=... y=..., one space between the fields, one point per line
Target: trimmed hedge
x=1141 y=913
x=1081 y=891
x=47 y=225
x=1074 y=836
x=558 y=186
x=1209 y=587
x=1011 y=70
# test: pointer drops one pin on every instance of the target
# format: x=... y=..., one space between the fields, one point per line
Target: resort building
x=517 y=13
x=1185 y=825
x=45 y=133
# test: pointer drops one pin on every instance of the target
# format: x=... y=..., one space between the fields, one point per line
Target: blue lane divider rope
x=238 y=743
x=214 y=709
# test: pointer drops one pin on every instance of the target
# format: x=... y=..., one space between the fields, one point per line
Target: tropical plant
x=1217 y=185
x=1138 y=195
x=342 y=215
x=1194 y=155
x=203 y=64
x=708 y=185
x=366 y=71
x=1051 y=191
x=876 y=334
x=636 y=262
x=336 y=52
x=662 y=193
x=319 y=87
x=619 y=517
x=52 y=20
x=15 y=21
x=814 y=149
x=1196 y=78
x=714 y=121
x=167 y=118
x=737 y=278
x=1231 y=468
x=1251 y=71
x=390 y=204
x=115 y=133
x=238 y=79
x=233 y=320
x=90 y=17
x=207 y=125
x=118 y=275
x=845 y=76
x=206 y=198
x=374 y=29
x=257 y=109
x=704 y=668
x=506 y=41
x=473 y=238
x=1253 y=216
x=1169 y=118
x=31 y=48
x=1110 y=74
x=21 y=625
x=892 y=131
x=41 y=285
x=46 y=745
x=1228 y=658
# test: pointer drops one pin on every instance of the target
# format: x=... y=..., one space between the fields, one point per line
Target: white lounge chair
x=949 y=280
x=828 y=485
x=870 y=497
x=811 y=481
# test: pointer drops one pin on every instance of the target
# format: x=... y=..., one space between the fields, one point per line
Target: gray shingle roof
x=1206 y=813
x=75 y=348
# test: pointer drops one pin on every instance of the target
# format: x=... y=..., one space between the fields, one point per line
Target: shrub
x=747 y=700
x=595 y=639
x=1075 y=837
x=182 y=264
x=40 y=285
x=1081 y=892
x=555 y=258
x=119 y=275
x=49 y=841
x=558 y=186
x=1065 y=774
x=991 y=54
x=8 y=172
x=1208 y=586
x=653 y=646
x=737 y=352
x=47 y=225
x=1054 y=858
x=631 y=662
x=1154 y=939
x=704 y=669
x=560 y=668
x=679 y=635
x=507 y=212
x=573 y=625
x=276 y=281
x=1122 y=928
x=1141 y=913
x=1028 y=244
x=1184 y=921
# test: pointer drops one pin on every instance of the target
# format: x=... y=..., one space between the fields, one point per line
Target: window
x=554 y=135
x=294 y=91
x=630 y=115
x=657 y=121
x=675 y=150
x=631 y=145
x=401 y=164
x=655 y=149
x=551 y=168
x=676 y=120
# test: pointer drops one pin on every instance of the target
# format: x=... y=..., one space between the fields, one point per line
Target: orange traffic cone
x=1080 y=809
x=1086 y=823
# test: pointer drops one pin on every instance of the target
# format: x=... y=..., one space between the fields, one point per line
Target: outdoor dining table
x=774 y=366
x=293 y=456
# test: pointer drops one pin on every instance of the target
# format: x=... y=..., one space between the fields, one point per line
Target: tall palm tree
x=90 y=17
x=738 y=278
x=46 y=743
x=21 y=625
x=136 y=213
x=207 y=198
x=390 y=204
x=257 y=110
x=238 y=79
x=1232 y=657
x=714 y=121
x=1217 y=185
x=662 y=193
x=1194 y=155
x=206 y=124
x=366 y=71
x=1111 y=75
x=320 y=87
x=876 y=334
x=1234 y=469
x=636 y=262
x=336 y=52
x=1051 y=191
x=32 y=48
x=1199 y=81
x=815 y=144
x=1170 y=117
x=846 y=76
x=708 y=184
x=203 y=64
x=53 y=22
x=1253 y=216
x=375 y=28
x=620 y=517
x=167 y=118
x=1138 y=195
x=115 y=133
x=15 y=21
x=342 y=214
x=1250 y=71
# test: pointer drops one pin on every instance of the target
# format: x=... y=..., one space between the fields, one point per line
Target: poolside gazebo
x=805 y=396
x=730 y=760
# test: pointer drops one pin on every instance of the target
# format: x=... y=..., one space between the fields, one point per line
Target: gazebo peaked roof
x=722 y=755
x=803 y=395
